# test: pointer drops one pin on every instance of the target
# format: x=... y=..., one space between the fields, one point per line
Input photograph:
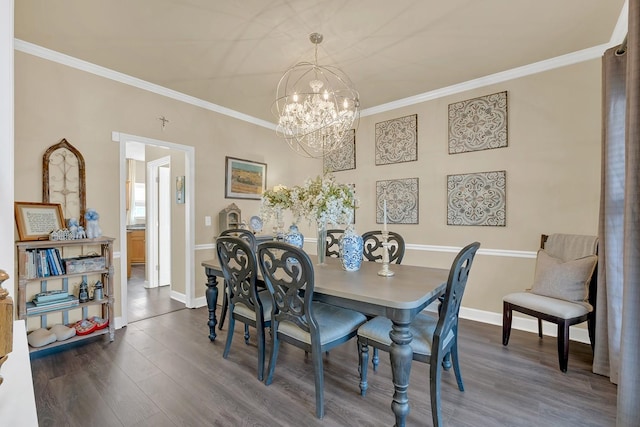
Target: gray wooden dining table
x=399 y=297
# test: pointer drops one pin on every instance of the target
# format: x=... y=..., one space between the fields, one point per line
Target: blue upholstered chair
x=296 y=319
x=246 y=304
x=434 y=337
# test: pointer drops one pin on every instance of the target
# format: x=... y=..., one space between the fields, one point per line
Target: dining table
x=399 y=297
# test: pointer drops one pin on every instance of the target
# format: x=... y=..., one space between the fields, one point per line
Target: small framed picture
x=35 y=221
x=180 y=190
x=244 y=179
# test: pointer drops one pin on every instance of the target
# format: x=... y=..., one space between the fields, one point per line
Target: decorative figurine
x=98 y=291
x=83 y=293
x=72 y=226
x=93 y=228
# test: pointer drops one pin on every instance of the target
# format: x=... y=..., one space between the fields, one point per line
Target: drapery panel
x=618 y=316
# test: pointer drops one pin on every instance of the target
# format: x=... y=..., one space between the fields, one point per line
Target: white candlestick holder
x=385 y=256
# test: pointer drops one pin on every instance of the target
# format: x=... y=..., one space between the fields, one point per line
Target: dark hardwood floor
x=164 y=371
x=144 y=303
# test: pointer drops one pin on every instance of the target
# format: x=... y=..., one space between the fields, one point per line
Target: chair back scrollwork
x=373 y=246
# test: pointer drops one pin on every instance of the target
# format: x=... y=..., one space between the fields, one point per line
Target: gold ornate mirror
x=63 y=180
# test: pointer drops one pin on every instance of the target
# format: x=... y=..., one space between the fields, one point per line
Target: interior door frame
x=189 y=233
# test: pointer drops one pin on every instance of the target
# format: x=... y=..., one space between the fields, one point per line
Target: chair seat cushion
x=567 y=280
x=422 y=328
x=333 y=323
x=552 y=306
x=245 y=311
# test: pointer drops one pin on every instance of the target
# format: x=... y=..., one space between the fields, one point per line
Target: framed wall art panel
x=478 y=124
x=402 y=200
x=397 y=140
x=343 y=158
x=63 y=180
x=477 y=199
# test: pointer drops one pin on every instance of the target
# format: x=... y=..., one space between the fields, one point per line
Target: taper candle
x=385 y=214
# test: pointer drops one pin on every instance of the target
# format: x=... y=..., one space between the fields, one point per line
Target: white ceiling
x=233 y=52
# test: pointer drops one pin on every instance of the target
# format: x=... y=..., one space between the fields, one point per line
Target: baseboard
x=180 y=297
x=118 y=322
x=200 y=302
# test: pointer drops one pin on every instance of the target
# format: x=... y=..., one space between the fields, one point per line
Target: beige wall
x=54 y=101
x=552 y=166
x=552 y=161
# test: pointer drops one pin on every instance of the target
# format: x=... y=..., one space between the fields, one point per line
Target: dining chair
x=250 y=238
x=563 y=290
x=246 y=304
x=434 y=335
x=373 y=246
x=333 y=242
x=372 y=241
x=296 y=319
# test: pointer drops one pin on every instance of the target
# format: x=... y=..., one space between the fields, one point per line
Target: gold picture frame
x=35 y=221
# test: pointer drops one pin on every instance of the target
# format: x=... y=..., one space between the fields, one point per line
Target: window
x=139 y=201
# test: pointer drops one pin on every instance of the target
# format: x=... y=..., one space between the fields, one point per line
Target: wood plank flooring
x=164 y=371
x=144 y=303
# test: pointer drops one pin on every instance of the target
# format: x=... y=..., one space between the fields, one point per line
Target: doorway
x=175 y=247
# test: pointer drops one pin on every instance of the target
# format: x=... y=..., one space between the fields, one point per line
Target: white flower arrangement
x=321 y=200
x=274 y=201
x=324 y=201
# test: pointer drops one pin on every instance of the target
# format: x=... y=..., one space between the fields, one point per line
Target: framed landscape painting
x=244 y=179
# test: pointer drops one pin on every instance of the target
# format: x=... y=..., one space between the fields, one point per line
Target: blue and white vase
x=294 y=237
x=351 y=248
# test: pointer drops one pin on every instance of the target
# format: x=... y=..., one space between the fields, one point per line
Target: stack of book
x=44 y=263
x=51 y=300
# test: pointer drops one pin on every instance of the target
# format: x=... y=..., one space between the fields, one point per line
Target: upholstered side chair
x=246 y=304
x=434 y=335
x=296 y=319
x=563 y=290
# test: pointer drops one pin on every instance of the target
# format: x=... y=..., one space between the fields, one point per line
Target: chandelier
x=316 y=106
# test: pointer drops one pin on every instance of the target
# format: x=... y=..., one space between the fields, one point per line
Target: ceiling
x=232 y=53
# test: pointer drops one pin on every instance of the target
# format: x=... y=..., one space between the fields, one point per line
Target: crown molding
x=514 y=73
x=70 y=61
x=537 y=67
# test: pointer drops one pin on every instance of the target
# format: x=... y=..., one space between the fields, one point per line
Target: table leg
x=401 y=356
x=211 y=295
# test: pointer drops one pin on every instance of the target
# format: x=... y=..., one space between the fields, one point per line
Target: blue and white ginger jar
x=294 y=237
x=351 y=248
